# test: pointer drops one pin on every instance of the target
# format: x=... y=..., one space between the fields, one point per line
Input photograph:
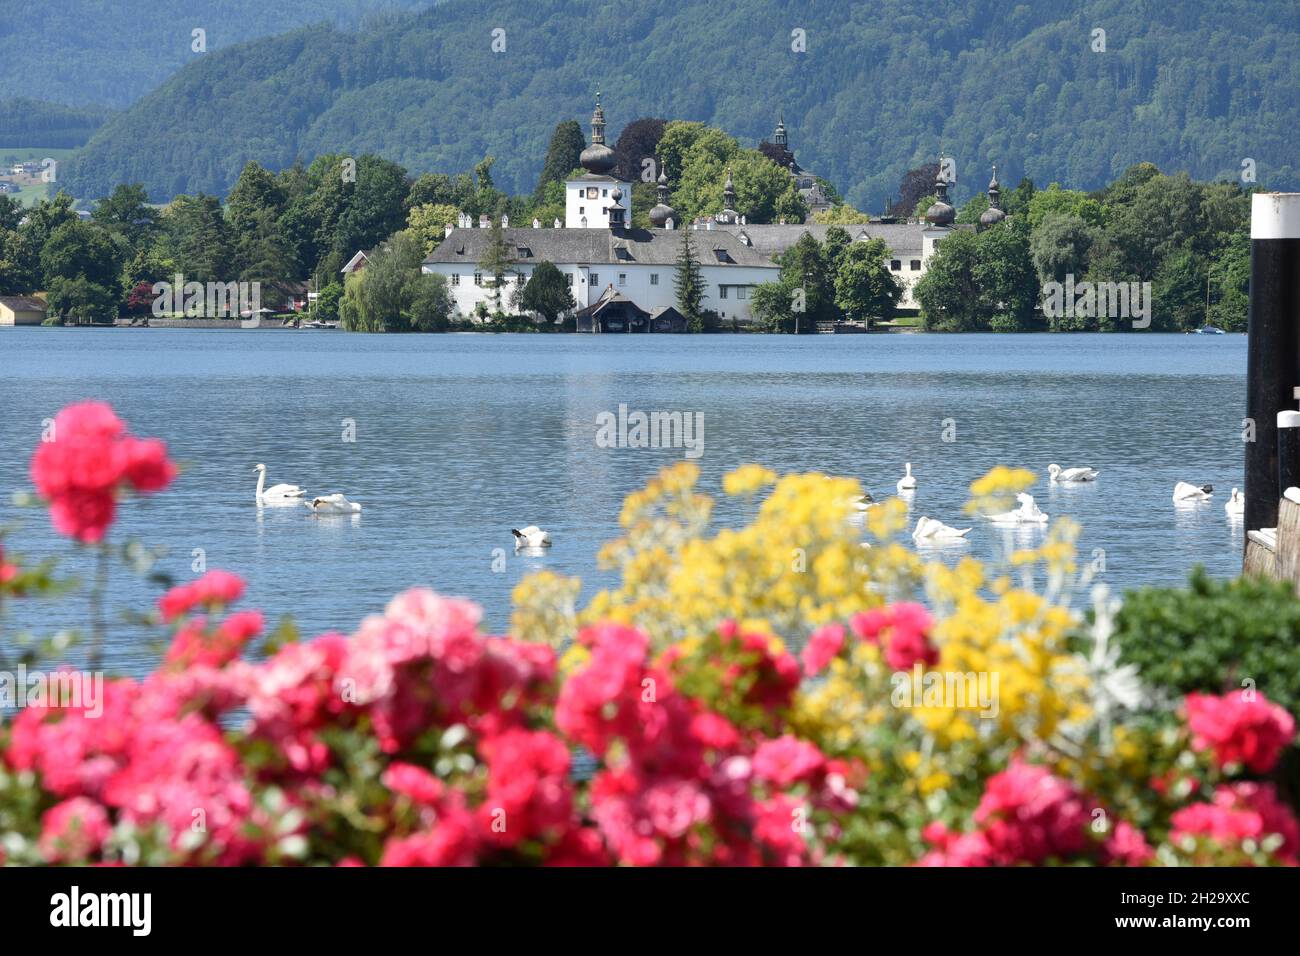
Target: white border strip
x=1275 y=216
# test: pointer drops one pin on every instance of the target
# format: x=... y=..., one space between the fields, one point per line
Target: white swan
x=1063 y=475
x=531 y=537
x=1027 y=513
x=1184 y=491
x=862 y=502
x=929 y=529
x=276 y=494
x=333 y=505
x=1236 y=503
x=907 y=482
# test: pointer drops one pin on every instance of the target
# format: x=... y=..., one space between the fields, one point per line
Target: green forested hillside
x=882 y=87
x=25 y=122
x=110 y=52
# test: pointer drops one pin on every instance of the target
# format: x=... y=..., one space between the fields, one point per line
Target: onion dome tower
x=662 y=212
x=598 y=158
x=994 y=214
x=729 y=213
x=941 y=212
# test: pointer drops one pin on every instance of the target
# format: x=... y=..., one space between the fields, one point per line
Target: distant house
x=8 y=187
x=21 y=310
x=295 y=294
x=356 y=264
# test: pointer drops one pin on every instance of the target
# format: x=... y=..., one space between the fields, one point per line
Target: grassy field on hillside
x=32 y=193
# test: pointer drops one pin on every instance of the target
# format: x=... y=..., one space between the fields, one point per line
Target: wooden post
x=1273 y=356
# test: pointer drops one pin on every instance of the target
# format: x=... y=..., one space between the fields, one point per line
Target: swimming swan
x=1236 y=503
x=531 y=537
x=928 y=529
x=907 y=482
x=1057 y=473
x=1027 y=513
x=333 y=505
x=1183 y=491
x=276 y=493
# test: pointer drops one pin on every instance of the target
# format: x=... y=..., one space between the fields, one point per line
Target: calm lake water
x=461 y=437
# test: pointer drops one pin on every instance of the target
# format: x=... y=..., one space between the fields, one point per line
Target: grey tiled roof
x=23 y=303
x=653 y=247
x=903 y=238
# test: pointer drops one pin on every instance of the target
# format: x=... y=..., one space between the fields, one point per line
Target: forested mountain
x=882 y=87
x=25 y=122
x=109 y=52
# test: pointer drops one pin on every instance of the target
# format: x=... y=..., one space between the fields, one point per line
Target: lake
x=459 y=438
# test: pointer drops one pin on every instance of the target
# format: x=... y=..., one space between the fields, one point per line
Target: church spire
x=598 y=159
x=779 y=137
x=994 y=214
x=940 y=212
x=598 y=122
x=662 y=213
x=729 y=213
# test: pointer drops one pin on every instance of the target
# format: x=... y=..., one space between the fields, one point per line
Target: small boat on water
x=317 y=324
x=1208 y=330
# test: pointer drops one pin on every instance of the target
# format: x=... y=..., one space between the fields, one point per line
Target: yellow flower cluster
x=800 y=563
x=807 y=557
x=545 y=609
x=997 y=490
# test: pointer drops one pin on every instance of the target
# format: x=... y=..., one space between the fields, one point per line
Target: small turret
x=941 y=212
x=662 y=212
x=994 y=214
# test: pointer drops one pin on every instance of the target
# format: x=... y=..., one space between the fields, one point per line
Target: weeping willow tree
x=392 y=295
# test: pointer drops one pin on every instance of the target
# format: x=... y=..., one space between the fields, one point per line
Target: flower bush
x=773 y=694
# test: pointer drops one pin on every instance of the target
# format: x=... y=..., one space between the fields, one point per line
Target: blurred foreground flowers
x=773 y=694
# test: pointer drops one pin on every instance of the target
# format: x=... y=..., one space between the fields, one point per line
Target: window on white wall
x=722 y=292
x=742 y=292
x=622 y=278
x=654 y=278
x=916 y=265
x=595 y=279
x=895 y=265
x=568 y=277
x=478 y=278
x=455 y=278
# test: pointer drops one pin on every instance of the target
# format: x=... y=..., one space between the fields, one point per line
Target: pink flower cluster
x=1251 y=732
x=216 y=589
x=681 y=784
x=87 y=462
x=903 y=630
x=149 y=762
x=9 y=571
x=1240 y=812
x=1027 y=815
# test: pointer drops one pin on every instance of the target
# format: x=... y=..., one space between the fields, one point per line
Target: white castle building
x=622 y=277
